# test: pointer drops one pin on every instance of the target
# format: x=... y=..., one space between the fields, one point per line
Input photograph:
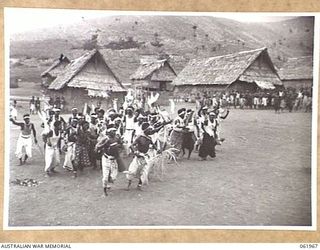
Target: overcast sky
x=26 y=19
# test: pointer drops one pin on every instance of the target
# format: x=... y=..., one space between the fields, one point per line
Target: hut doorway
x=163 y=86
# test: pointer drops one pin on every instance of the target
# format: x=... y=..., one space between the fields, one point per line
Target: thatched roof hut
x=87 y=76
x=54 y=70
x=297 y=72
x=153 y=74
x=246 y=70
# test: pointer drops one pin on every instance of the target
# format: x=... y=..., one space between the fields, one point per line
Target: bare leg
x=139 y=184
x=189 y=154
x=183 y=152
x=129 y=184
x=25 y=159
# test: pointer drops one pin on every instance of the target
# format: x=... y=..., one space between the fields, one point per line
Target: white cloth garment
x=24 y=142
x=109 y=170
x=52 y=153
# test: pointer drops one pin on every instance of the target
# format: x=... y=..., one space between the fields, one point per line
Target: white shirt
x=130 y=122
x=210 y=127
x=178 y=122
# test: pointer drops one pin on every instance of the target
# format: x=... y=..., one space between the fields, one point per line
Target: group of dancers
x=101 y=139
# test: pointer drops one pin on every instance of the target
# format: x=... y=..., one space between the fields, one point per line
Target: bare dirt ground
x=261 y=176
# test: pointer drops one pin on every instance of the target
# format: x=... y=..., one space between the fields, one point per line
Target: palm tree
x=156 y=35
x=194 y=27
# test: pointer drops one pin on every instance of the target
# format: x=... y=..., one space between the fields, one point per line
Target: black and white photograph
x=160 y=120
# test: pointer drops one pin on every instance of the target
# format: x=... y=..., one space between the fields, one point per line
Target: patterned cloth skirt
x=81 y=156
x=176 y=139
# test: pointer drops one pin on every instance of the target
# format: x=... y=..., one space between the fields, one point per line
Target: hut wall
x=297 y=84
x=159 y=80
x=187 y=90
x=14 y=82
x=165 y=73
x=147 y=84
x=243 y=86
x=260 y=70
x=77 y=97
x=74 y=97
x=164 y=98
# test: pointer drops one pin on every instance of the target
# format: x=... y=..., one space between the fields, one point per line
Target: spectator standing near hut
x=264 y=101
x=249 y=99
x=309 y=102
x=305 y=101
x=231 y=99
x=32 y=105
x=38 y=104
x=63 y=103
x=198 y=100
x=57 y=103
x=276 y=103
x=282 y=103
x=289 y=100
x=242 y=101
x=300 y=98
x=51 y=101
x=237 y=99
x=256 y=101
x=13 y=110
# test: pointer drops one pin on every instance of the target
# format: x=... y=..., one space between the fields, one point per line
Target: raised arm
x=225 y=116
x=16 y=123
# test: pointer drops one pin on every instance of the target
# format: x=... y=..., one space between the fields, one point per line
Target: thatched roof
x=297 y=68
x=221 y=70
x=66 y=77
x=148 y=67
x=57 y=67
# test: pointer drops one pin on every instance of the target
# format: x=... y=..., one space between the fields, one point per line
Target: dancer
x=52 y=149
x=207 y=147
x=25 y=140
x=179 y=125
x=81 y=159
x=70 y=138
x=110 y=146
x=143 y=149
x=129 y=128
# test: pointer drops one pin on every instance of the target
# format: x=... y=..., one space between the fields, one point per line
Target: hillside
x=124 y=39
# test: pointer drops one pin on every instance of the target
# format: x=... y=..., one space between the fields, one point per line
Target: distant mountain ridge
x=125 y=39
